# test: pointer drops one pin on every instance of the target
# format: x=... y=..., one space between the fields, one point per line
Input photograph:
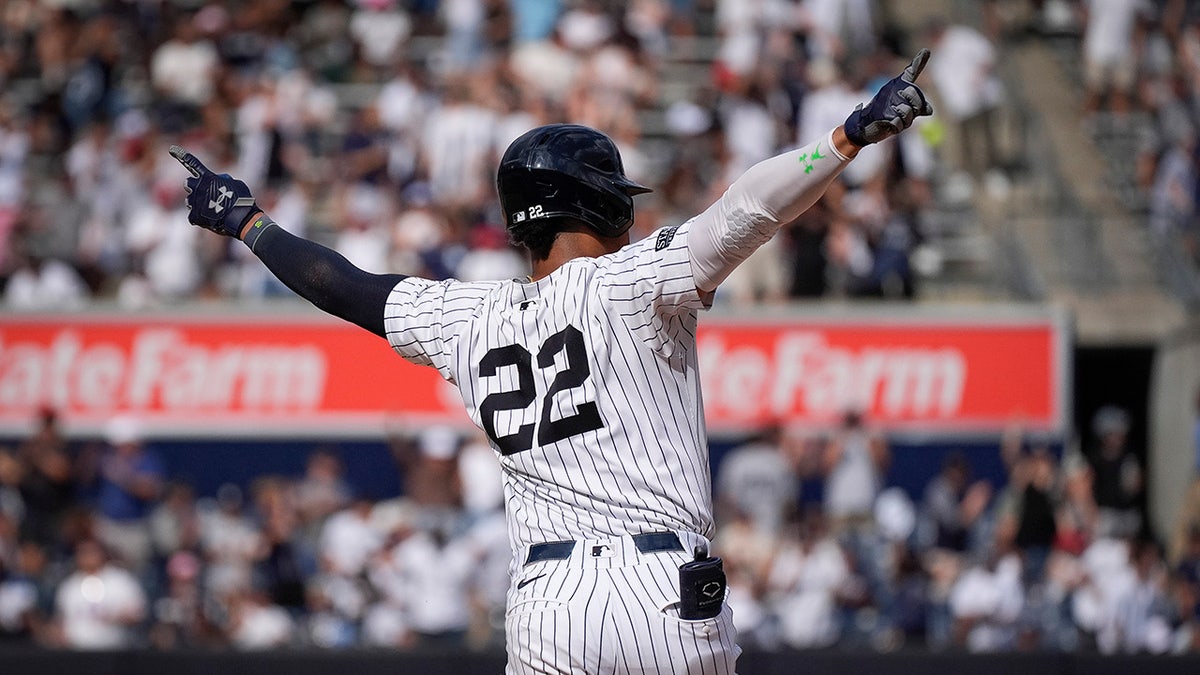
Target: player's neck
x=569 y=245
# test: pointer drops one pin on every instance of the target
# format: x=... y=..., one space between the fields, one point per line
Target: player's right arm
x=320 y=275
x=777 y=190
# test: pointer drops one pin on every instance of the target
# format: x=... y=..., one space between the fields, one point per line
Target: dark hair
x=537 y=236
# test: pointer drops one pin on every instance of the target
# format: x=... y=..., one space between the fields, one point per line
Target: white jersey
x=585 y=381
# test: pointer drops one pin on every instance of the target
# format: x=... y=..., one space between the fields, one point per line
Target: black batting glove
x=217 y=202
x=893 y=108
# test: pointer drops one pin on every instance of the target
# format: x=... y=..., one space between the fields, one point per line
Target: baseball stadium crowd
x=374 y=126
x=102 y=547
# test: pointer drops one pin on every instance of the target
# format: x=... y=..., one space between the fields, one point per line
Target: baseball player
x=584 y=377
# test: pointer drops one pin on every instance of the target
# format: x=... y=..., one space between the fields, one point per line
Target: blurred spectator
x=100 y=603
x=15 y=146
x=21 y=615
x=1112 y=42
x=491 y=257
x=255 y=623
x=1119 y=483
x=47 y=486
x=183 y=70
x=1027 y=522
x=379 y=27
x=969 y=91
x=1078 y=516
x=909 y=610
x=349 y=539
x=480 y=477
x=89 y=91
x=952 y=504
x=436 y=571
x=986 y=602
x=1171 y=188
x=419 y=233
x=163 y=247
x=534 y=20
x=38 y=283
x=323 y=490
x=840 y=29
x=1188 y=565
x=402 y=103
x=456 y=149
x=465 y=21
x=230 y=542
x=757 y=481
x=430 y=467
x=1141 y=619
x=285 y=559
x=179 y=619
x=487 y=539
x=748 y=553
x=175 y=524
x=11 y=503
x=856 y=459
x=1187 y=519
x=130 y=483
x=1108 y=575
x=1196 y=438
x=1186 y=624
x=805 y=578
x=335 y=605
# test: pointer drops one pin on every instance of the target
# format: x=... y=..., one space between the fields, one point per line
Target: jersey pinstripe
x=586 y=381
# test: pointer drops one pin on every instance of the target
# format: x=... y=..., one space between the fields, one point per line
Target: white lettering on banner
x=802 y=372
x=161 y=368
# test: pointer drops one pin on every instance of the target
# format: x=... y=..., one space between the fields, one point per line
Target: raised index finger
x=914 y=69
x=189 y=161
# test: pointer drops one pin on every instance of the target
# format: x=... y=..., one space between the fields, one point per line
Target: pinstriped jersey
x=585 y=381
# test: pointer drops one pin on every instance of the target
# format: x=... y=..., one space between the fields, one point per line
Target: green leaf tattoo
x=807 y=159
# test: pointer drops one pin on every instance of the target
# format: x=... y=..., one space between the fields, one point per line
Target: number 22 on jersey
x=586 y=417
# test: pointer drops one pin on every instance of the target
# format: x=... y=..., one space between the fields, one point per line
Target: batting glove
x=893 y=108
x=217 y=202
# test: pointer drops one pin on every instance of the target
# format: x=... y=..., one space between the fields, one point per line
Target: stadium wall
x=1174 y=409
x=303 y=662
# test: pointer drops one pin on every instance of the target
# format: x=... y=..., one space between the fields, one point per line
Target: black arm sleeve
x=326 y=279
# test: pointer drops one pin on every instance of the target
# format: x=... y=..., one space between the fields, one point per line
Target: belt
x=649 y=542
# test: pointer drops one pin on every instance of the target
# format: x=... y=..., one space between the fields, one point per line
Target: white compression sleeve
x=770 y=194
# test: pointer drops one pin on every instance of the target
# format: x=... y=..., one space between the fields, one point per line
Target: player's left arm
x=223 y=204
x=777 y=190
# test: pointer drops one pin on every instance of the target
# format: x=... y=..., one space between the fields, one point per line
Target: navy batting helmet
x=566 y=170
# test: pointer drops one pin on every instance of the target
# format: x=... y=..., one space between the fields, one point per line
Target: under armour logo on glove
x=893 y=108
x=223 y=193
x=217 y=202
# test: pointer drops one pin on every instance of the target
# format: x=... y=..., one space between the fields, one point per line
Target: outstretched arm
x=320 y=275
x=325 y=278
x=777 y=190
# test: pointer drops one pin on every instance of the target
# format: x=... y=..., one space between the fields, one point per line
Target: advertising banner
x=305 y=374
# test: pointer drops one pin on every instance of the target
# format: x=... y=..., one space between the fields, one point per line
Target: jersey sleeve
x=422 y=319
x=651 y=286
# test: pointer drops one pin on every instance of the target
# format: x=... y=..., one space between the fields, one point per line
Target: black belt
x=649 y=542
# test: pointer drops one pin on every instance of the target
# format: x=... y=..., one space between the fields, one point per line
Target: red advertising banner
x=234 y=375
